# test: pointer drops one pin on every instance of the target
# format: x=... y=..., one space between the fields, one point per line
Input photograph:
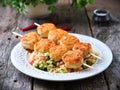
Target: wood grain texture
x=93 y=83
x=73 y=17
x=10 y=78
x=111 y=36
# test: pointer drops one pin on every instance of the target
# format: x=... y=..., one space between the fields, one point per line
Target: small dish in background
x=101 y=17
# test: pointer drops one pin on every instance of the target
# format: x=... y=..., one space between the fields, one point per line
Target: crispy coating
x=29 y=39
x=68 y=41
x=57 y=52
x=44 y=45
x=56 y=34
x=44 y=29
x=72 y=59
x=84 y=48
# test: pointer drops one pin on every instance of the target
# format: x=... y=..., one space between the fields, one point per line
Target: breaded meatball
x=57 y=52
x=28 y=40
x=68 y=41
x=44 y=45
x=44 y=29
x=56 y=34
x=82 y=47
x=72 y=59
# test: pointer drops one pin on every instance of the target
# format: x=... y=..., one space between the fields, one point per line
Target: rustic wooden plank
x=86 y=84
x=10 y=78
x=69 y=15
x=109 y=35
x=80 y=25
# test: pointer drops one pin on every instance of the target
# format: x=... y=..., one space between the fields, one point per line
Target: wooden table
x=81 y=21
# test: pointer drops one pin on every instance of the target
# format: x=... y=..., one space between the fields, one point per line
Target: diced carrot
x=31 y=62
x=42 y=58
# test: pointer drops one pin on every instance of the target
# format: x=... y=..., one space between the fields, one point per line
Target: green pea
x=50 y=62
x=45 y=68
x=47 y=54
x=84 y=67
x=63 y=70
x=36 y=65
x=41 y=66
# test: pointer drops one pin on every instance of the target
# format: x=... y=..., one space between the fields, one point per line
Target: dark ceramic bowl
x=101 y=16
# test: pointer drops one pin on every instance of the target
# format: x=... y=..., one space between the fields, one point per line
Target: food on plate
x=28 y=40
x=57 y=52
x=43 y=45
x=68 y=41
x=83 y=48
x=44 y=29
x=56 y=34
x=72 y=59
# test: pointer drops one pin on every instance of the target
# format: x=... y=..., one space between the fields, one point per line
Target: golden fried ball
x=82 y=47
x=56 y=34
x=57 y=52
x=44 y=29
x=28 y=40
x=68 y=41
x=44 y=45
x=72 y=59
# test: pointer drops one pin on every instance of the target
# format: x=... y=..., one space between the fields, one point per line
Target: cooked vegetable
x=63 y=70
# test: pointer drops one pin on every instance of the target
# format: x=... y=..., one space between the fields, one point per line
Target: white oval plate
x=19 y=55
